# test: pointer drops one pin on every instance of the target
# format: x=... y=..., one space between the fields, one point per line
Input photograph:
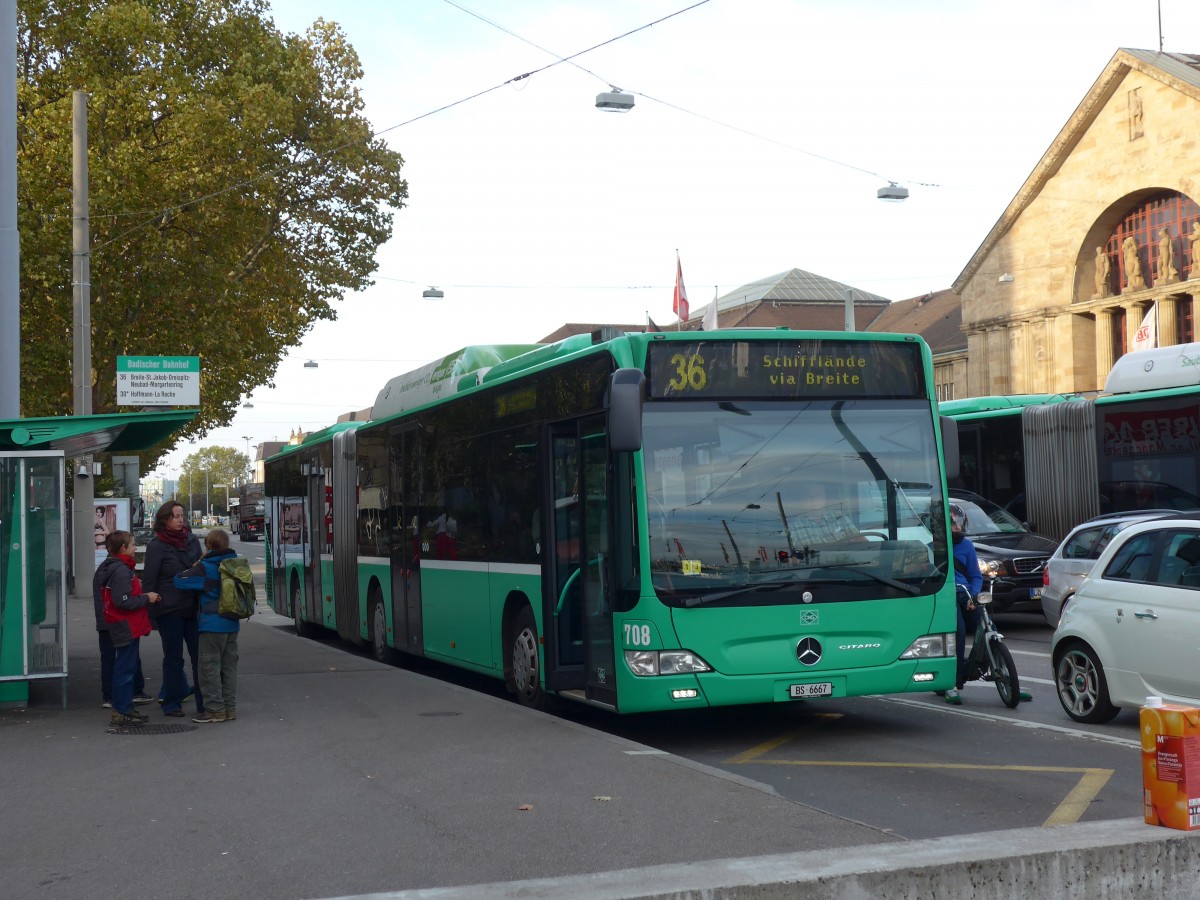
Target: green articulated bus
x=636 y=521
x=1056 y=460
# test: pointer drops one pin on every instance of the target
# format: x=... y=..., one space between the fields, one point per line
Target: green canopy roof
x=77 y=435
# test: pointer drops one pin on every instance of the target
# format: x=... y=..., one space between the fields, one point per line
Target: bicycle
x=989 y=659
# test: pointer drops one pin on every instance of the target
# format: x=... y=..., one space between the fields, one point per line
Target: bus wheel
x=303 y=629
x=379 y=645
x=526 y=653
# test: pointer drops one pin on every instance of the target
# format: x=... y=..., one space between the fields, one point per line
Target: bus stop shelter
x=33 y=531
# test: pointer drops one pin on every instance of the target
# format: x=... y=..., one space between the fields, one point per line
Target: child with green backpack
x=218 y=627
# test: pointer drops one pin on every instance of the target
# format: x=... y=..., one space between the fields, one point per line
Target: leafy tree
x=235 y=190
x=207 y=467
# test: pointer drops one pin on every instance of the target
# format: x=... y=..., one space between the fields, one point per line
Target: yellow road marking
x=767 y=746
x=1077 y=802
x=1073 y=806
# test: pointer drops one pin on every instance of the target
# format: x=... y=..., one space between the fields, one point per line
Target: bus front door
x=578 y=603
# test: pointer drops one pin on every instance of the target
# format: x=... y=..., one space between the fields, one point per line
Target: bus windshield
x=757 y=503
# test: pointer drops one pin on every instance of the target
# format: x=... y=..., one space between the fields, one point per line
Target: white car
x=1132 y=628
x=1075 y=556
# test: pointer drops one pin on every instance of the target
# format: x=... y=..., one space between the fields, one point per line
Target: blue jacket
x=966 y=567
x=205 y=577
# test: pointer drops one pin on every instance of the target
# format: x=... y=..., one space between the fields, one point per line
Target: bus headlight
x=930 y=646
x=665 y=662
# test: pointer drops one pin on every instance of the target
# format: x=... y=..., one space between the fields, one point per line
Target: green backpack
x=237 y=589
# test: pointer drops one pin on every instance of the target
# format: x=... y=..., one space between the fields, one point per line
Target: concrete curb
x=1120 y=858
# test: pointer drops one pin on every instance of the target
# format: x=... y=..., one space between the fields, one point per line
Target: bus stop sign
x=158 y=381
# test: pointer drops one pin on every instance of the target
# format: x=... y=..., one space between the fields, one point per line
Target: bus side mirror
x=625 y=410
x=950 y=446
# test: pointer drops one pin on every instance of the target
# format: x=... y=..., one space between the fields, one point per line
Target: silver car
x=1078 y=552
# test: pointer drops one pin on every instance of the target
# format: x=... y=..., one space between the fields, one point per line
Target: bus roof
x=442 y=377
x=995 y=406
x=1161 y=367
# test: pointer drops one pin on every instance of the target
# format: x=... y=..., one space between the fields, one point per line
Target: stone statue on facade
x=1103 y=269
x=1194 y=238
x=1133 y=266
x=1166 y=273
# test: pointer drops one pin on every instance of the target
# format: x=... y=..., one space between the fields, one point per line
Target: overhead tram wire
x=167 y=211
x=608 y=81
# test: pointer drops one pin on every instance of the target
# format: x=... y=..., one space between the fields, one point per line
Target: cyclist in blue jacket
x=966 y=576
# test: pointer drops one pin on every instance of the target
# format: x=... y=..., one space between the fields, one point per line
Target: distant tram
x=1056 y=460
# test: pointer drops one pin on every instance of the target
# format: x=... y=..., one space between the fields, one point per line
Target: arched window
x=1170 y=210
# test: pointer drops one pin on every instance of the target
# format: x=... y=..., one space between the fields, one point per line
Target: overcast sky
x=761 y=132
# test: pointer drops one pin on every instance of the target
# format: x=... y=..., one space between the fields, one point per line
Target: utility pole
x=82 y=517
x=10 y=241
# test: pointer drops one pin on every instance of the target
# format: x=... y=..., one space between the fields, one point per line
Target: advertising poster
x=112 y=514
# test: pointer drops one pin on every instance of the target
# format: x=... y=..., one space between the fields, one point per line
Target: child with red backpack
x=124 y=607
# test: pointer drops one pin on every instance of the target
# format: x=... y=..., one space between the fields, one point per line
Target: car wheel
x=1082 y=687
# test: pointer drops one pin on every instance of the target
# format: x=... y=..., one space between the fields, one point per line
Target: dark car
x=1010 y=555
x=1122 y=496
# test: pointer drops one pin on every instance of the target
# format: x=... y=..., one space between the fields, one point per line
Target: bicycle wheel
x=1005 y=673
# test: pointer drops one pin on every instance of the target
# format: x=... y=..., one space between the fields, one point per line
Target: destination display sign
x=158 y=381
x=786 y=369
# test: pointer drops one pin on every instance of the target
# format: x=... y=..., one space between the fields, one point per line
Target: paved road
x=907 y=764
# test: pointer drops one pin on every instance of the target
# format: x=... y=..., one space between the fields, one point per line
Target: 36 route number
x=689 y=372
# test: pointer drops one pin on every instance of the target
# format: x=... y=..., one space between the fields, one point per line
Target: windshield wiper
x=703 y=599
x=882 y=579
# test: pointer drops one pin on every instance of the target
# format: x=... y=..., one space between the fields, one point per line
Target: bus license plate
x=820 y=689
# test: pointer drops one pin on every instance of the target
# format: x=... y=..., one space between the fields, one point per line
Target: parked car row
x=1122 y=591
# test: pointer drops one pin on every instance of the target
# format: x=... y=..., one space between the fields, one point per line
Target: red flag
x=680 y=304
x=651 y=325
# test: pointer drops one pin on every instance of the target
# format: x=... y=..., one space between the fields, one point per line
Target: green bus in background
x=636 y=521
x=1055 y=460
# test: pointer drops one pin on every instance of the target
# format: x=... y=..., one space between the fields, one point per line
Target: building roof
x=794 y=286
x=791 y=299
x=936 y=316
x=1179 y=70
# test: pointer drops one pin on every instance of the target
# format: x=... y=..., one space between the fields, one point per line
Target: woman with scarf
x=172 y=550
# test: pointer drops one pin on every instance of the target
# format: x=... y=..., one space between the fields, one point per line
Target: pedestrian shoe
x=953 y=698
x=208 y=717
x=174 y=713
x=107 y=704
x=1024 y=696
x=139 y=699
x=230 y=715
x=127 y=720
